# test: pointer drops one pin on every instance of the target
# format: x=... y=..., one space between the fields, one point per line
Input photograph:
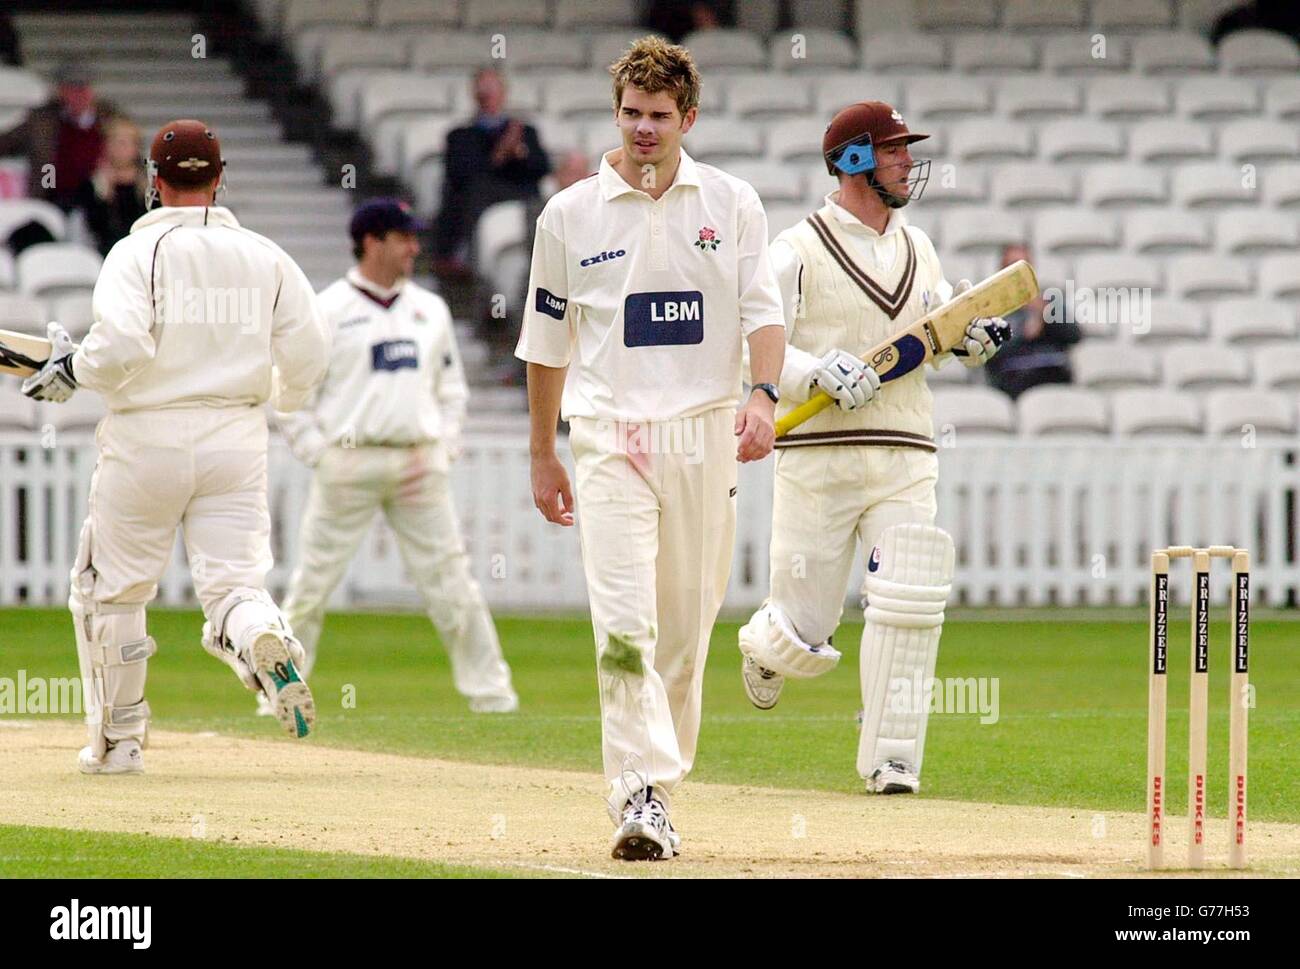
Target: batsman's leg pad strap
x=771 y=640
x=113 y=653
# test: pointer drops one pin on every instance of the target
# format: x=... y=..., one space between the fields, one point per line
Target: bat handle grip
x=815 y=404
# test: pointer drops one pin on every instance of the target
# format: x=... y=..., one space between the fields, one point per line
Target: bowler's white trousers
x=657 y=528
x=410 y=485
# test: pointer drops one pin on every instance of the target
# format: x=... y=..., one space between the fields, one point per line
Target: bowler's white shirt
x=648 y=301
x=395 y=377
x=192 y=309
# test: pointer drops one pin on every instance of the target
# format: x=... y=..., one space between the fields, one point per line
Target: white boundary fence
x=1034 y=523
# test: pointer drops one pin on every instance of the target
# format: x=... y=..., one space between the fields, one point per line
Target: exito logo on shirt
x=708 y=240
x=603 y=257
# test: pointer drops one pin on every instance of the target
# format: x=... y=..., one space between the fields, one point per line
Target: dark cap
x=877 y=120
x=376 y=217
x=186 y=153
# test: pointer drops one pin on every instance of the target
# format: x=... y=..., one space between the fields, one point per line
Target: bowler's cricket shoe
x=646 y=833
x=494 y=704
x=893 y=777
x=762 y=686
x=268 y=657
x=123 y=757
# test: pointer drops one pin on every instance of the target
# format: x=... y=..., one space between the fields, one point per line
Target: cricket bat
x=936 y=332
x=22 y=354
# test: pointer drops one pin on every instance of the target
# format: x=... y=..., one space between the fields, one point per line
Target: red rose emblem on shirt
x=708 y=240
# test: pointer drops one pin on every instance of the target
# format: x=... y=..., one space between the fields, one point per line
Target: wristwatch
x=769 y=389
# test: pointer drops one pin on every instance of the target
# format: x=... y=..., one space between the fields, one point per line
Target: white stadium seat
x=6 y=270
x=835 y=91
x=1131 y=13
x=764 y=96
x=1169 y=321
x=795 y=140
x=1098 y=270
x=981 y=141
x=946 y=14
x=75 y=312
x=423 y=13
x=1060 y=410
x=1070 y=141
x=25 y=314
x=782 y=216
x=950 y=374
x=968 y=186
x=1035 y=13
x=1259 y=140
x=361 y=48
x=585 y=95
x=1258 y=52
x=1077 y=53
x=1252 y=320
x=1034 y=96
x=1201 y=14
x=1233 y=413
x=1034 y=184
x=16 y=212
x=1199 y=276
x=1255 y=233
x=385 y=94
x=1074 y=230
x=606 y=46
x=343 y=91
x=423 y=140
x=1155 y=413
x=1279 y=276
x=715 y=141
x=1211 y=98
x=773 y=182
x=1212 y=185
x=543 y=50
x=22 y=88
x=1282 y=97
x=811 y=49
x=888 y=50
x=501 y=226
x=17 y=413
x=56 y=268
x=583 y=14
x=506 y=13
x=451 y=51
x=1123 y=186
x=1282 y=186
x=726 y=49
x=993 y=52
x=937 y=97
x=956 y=268
x=1167 y=230
x=1098 y=365
x=1171 y=139
x=1277 y=366
x=1203 y=367
x=978 y=410
x=981 y=230
x=300 y=14
x=80 y=412
x=1172 y=52
x=1125 y=98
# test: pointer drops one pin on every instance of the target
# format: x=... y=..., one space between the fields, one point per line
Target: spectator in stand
x=675 y=19
x=494 y=158
x=1039 y=349
x=114 y=197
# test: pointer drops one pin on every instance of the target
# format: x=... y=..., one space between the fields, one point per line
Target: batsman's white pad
x=239 y=619
x=113 y=653
x=909 y=578
x=772 y=641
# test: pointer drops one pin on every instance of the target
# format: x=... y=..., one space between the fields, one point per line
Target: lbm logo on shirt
x=663 y=319
x=395 y=355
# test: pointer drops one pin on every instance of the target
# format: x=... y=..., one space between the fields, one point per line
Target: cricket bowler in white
x=198 y=324
x=381 y=433
x=852 y=274
x=647 y=280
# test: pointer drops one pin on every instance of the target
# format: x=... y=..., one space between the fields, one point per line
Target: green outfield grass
x=1071 y=727
x=29 y=852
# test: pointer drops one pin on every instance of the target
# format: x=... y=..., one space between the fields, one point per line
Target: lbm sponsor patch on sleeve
x=663 y=319
x=395 y=355
x=550 y=304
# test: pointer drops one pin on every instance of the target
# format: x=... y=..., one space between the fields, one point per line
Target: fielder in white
x=647 y=279
x=852 y=274
x=381 y=432
x=198 y=323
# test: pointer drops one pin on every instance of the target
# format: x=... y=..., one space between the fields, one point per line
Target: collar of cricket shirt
x=187 y=215
x=385 y=296
x=852 y=223
x=612 y=184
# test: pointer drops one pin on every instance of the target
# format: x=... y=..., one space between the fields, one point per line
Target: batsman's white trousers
x=827 y=500
x=410 y=485
x=657 y=529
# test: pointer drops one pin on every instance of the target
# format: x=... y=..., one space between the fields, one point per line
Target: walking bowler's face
x=893 y=164
x=397 y=251
x=652 y=125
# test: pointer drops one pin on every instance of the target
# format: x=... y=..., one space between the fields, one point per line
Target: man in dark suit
x=494 y=158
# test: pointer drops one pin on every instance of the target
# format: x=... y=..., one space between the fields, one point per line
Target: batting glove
x=847 y=379
x=984 y=337
x=55 y=381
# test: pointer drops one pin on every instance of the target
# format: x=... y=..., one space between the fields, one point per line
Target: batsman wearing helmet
x=852 y=274
x=198 y=324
